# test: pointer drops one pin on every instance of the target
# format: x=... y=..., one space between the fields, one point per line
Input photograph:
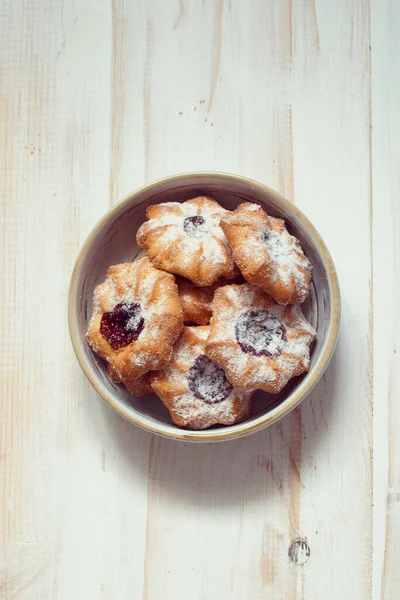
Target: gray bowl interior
x=115 y=242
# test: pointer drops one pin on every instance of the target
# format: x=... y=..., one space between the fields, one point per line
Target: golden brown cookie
x=136 y=318
x=267 y=254
x=196 y=301
x=259 y=343
x=139 y=387
x=186 y=239
x=195 y=390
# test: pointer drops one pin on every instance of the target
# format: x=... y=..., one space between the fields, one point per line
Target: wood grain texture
x=98 y=97
x=304 y=457
x=73 y=474
x=331 y=142
x=385 y=23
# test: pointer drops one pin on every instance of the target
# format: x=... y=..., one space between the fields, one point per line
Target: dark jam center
x=265 y=236
x=122 y=325
x=207 y=381
x=260 y=333
x=193 y=225
x=273 y=243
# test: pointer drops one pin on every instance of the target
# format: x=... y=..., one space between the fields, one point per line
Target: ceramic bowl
x=113 y=241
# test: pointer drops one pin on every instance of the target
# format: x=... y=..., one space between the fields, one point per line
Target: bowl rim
x=245 y=427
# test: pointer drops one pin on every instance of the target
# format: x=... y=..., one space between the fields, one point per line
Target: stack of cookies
x=209 y=314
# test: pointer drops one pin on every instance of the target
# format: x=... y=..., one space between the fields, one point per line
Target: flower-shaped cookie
x=260 y=344
x=195 y=390
x=186 y=239
x=267 y=254
x=136 y=318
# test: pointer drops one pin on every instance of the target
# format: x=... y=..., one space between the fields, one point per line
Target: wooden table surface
x=99 y=97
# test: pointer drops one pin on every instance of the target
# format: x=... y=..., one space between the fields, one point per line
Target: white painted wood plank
x=385 y=24
x=73 y=474
x=131 y=44
x=331 y=143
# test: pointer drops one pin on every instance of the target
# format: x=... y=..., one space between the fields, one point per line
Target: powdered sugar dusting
x=255 y=370
x=289 y=259
x=271 y=243
x=140 y=285
x=118 y=289
x=260 y=333
x=207 y=381
x=204 y=240
x=208 y=397
x=133 y=322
